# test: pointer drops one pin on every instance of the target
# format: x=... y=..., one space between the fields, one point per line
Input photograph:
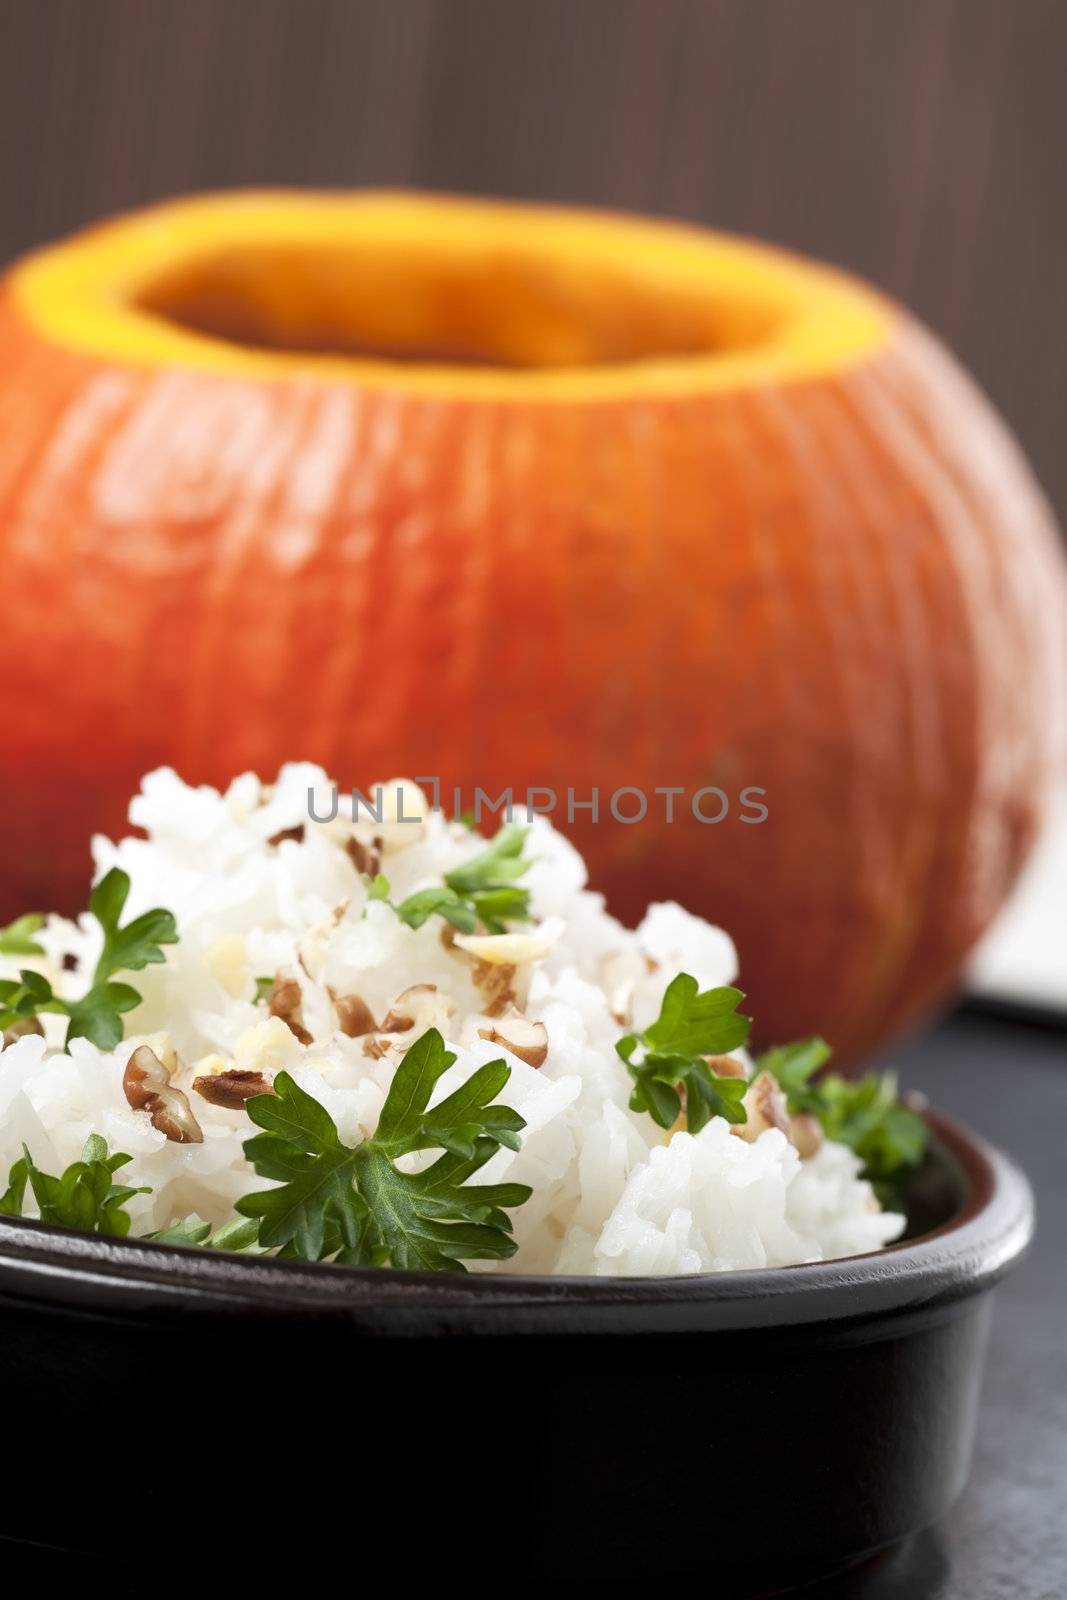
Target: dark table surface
x=1006 y=1539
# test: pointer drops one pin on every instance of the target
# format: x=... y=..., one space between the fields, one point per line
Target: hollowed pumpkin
x=518 y=496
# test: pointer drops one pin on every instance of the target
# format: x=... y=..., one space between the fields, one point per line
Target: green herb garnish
x=482 y=893
x=241 y=1235
x=22 y=1001
x=351 y=1206
x=97 y=1015
x=355 y=1205
x=489 y=881
x=690 y=1027
x=85 y=1197
x=438 y=901
x=17 y=938
x=794 y=1066
x=864 y=1113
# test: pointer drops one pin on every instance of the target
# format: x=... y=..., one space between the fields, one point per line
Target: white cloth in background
x=1023 y=957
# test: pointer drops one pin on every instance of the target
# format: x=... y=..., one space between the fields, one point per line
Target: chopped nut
x=388 y=818
x=314 y=946
x=286 y=1003
x=498 y=986
x=147 y=1086
x=766 y=1108
x=404 y=812
x=354 y=1016
x=726 y=1066
x=525 y=1039
x=231 y=1089
x=496 y=980
x=414 y=1011
x=512 y=949
x=162 y=1047
x=620 y=1002
x=366 y=859
x=396 y=1022
x=419 y=1006
x=805 y=1132
x=21 y=1028
x=296 y=834
x=621 y=972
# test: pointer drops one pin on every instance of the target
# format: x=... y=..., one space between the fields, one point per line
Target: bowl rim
x=91 y=1276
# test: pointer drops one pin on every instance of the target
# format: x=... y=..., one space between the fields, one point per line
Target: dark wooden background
x=920 y=142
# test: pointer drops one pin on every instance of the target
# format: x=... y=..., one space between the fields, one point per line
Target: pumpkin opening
x=431 y=295
x=498 y=309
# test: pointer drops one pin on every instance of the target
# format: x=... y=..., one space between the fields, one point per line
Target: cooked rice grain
x=260 y=891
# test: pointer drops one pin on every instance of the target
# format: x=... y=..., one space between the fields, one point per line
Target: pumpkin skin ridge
x=526 y=629
x=847 y=988
x=1017 y=802
x=925 y=854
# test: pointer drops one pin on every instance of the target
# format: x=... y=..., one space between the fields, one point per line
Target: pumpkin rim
x=786 y=319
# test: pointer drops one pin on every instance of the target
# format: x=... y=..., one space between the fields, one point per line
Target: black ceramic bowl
x=758 y=1428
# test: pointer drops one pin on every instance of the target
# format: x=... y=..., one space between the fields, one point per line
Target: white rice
x=612 y=1193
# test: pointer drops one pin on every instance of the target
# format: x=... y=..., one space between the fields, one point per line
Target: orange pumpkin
x=524 y=496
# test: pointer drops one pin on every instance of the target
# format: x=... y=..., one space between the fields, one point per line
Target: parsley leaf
x=864 y=1113
x=669 y=1056
x=12 y=1198
x=481 y=893
x=302 y=1151
x=17 y=938
x=440 y=901
x=22 y=1000
x=240 y=1235
x=489 y=881
x=96 y=1015
x=84 y=1197
x=136 y=945
x=794 y=1066
x=355 y=1205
